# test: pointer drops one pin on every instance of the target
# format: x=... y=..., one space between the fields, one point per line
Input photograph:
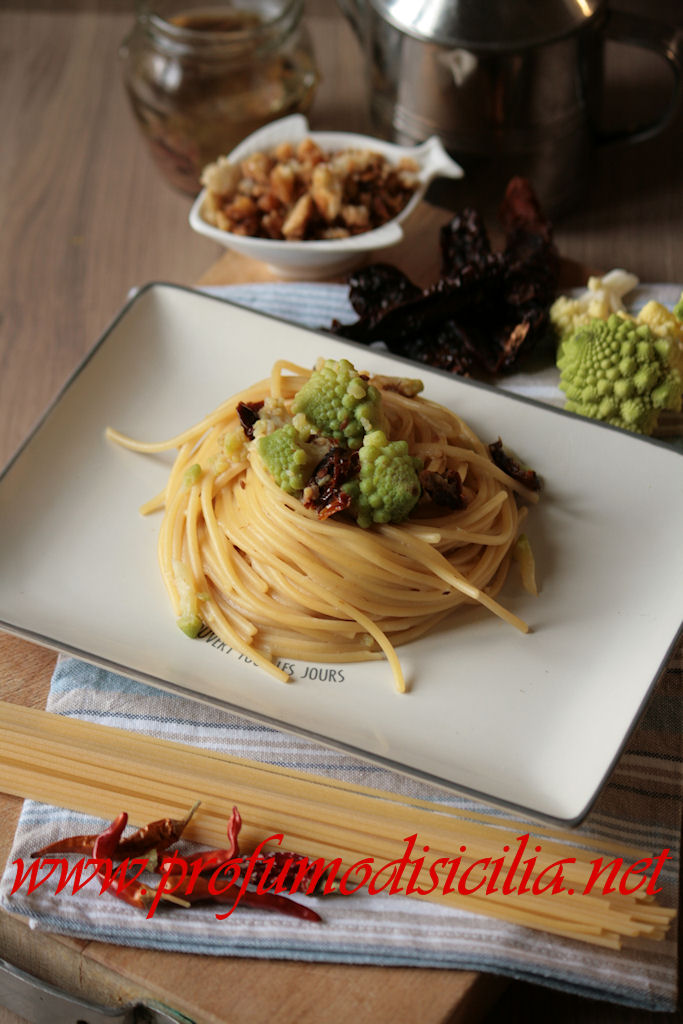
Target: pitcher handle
x=662 y=39
x=353 y=12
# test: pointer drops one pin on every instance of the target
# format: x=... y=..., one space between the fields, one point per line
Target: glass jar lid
x=218 y=26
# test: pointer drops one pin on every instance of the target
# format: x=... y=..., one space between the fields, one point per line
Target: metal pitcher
x=515 y=83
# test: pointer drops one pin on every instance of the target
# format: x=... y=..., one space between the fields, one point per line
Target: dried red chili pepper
x=280 y=860
x=132 y=891
x=201 y=892
x=157 y=835
x=106 y=842
x=290 y=869
x=70 y=844
x=214 y=858
x=104 y=849
x=278 y=904
x=155 y=839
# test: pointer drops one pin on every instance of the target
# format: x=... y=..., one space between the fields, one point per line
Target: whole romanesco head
x=286 y=458
x=388 y=486
x=339 y=403
x=619 y=372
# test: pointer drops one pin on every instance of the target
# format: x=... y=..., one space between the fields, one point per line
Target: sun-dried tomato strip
x=323 y=491
x=443 y=488
x=248 y=414
x=527 y=477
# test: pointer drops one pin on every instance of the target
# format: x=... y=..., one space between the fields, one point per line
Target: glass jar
x=202 y=76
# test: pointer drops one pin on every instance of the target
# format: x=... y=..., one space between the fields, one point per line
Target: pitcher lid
x=489 y=24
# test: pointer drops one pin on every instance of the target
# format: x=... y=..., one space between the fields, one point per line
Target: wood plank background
x=85 y=217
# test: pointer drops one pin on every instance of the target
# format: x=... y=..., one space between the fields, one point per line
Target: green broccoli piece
x=619 y=372
x=192 y=475
x=286 y=458
x=339 y=403
x=189 y=619
x=388 y=487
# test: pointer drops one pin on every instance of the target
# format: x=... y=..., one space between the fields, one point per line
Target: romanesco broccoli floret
x=620 y=372
x=339 y=403
x=286 y=457
x=388 y=487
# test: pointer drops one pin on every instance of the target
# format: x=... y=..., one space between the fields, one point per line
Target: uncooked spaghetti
x=273 y=579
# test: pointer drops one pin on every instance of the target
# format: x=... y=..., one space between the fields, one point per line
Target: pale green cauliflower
x=601 y=297
x=620 y=372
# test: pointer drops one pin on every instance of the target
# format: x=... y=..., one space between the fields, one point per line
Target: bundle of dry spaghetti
x=100 y=770
x=273 y=580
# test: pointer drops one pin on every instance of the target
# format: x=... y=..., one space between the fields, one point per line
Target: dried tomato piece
x=486 y=311
x=443 y=488
x=323 y=491
x=248 y=414
x=512 y=468
x=376 y=288
x=463 y=241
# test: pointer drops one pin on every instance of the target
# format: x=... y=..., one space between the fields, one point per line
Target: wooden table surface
x=85 y=218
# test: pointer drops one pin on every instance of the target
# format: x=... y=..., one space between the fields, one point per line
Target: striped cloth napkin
x=640 y=805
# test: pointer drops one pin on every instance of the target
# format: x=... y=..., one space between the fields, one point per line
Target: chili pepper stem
x=190 y=814
x=170 y=897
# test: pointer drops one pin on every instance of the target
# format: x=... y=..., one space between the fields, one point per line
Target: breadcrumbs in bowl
x=314 y=204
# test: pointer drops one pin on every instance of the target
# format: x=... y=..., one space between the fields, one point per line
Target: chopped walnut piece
x=272 y=224
x=283 y=182
x=309 y=152
x=300 y=192
x=243 y=215
x=221 y=221
x=257 y=167
x=356 y=217
x=295 y=225
x=269 y=202
x=327 y=190
x=222 y=177
x=283 y=152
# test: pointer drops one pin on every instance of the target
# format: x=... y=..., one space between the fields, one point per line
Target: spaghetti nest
x=274 y=580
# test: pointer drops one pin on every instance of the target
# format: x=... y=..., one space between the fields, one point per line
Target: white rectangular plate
x=533 y=721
